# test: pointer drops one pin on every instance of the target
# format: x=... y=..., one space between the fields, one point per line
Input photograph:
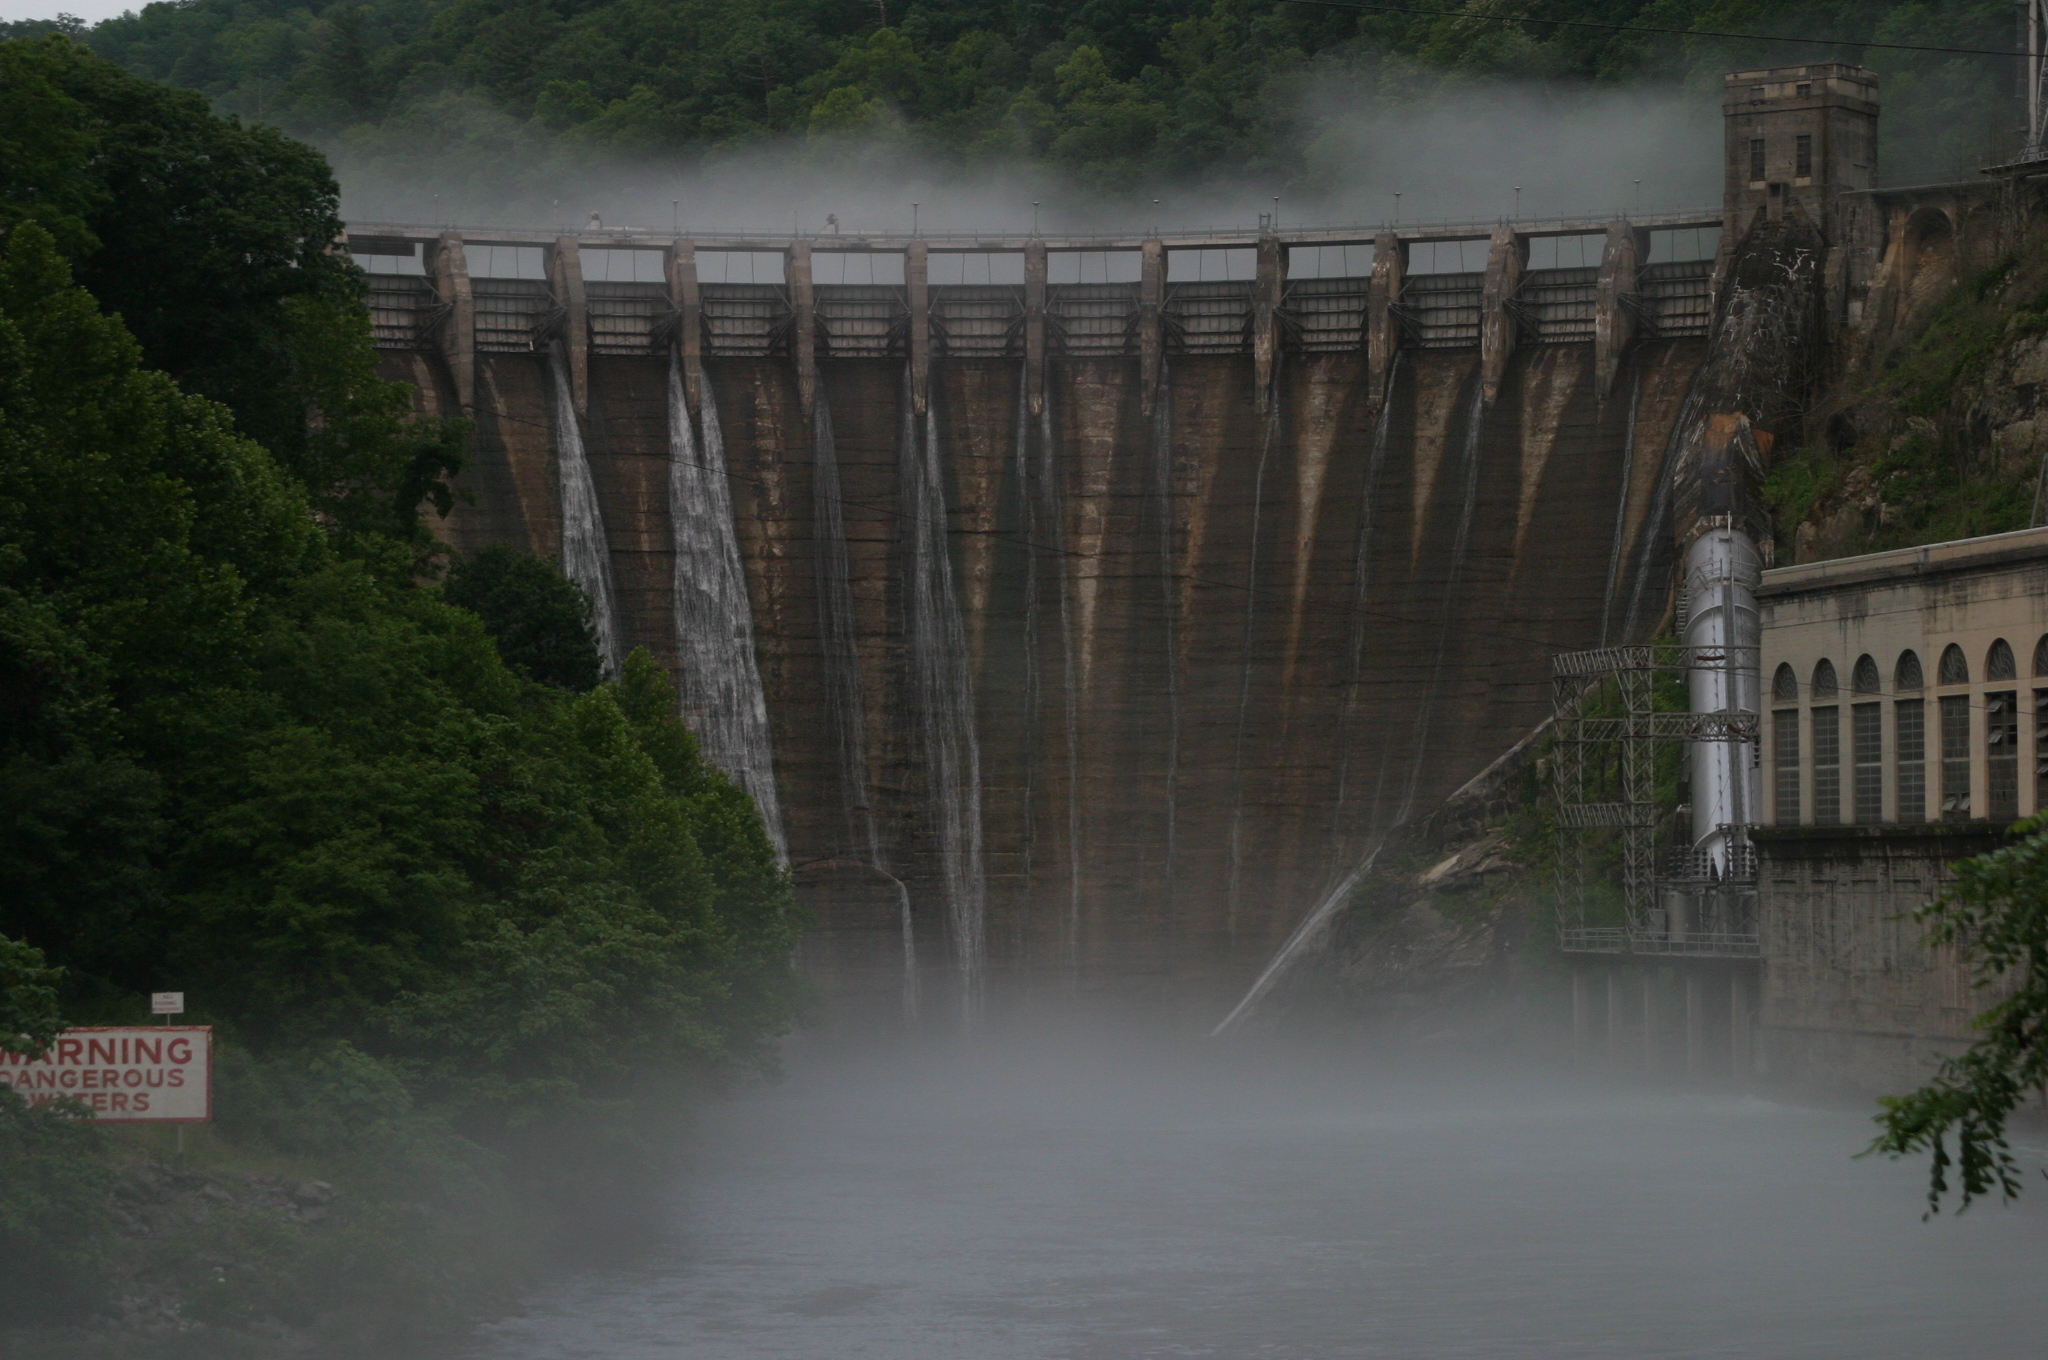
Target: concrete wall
x=1209 y=662
x=1851 y=994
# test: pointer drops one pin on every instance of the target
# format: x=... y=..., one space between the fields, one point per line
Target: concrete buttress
x=1034 y=326
x=917 y=278
x=458 y=325
x=1614 y=322
x=1266 y=293
x=1382 y=312
x=1498 y=323
x=1151 y=321
x=803 y=336
x=687 y=297
x=565 y=277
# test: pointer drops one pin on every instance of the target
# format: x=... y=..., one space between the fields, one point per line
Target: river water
x=1088 y=1199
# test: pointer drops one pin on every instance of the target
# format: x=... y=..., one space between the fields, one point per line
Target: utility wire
x=1645 y=28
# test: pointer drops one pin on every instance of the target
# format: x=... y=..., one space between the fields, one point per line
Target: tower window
x=1756 y=158
x=1802 y=155
x=1803 y=90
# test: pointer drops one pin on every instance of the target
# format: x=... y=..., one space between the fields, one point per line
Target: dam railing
x=469 y=290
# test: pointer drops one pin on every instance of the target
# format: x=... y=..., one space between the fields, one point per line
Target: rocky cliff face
x=1934 y=427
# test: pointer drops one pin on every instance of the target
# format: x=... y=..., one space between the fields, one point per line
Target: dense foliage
x=1998 y=911
x=249 y=750
x=537 y=616
x=1115 y=93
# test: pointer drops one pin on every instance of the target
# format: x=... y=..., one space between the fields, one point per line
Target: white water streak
x=1361 y=600
x=1055 y=527
x=1475 y=424
x=837 y=638
x=586 y=551
x=942 y=695
x=722 y=698
x=1305 y=934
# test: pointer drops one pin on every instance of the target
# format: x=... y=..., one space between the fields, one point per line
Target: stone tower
x=1797 y=136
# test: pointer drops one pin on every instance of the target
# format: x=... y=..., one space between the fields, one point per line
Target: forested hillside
x=465 y=915
x=1111 y=92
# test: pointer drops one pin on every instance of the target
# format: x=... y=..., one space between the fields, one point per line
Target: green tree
x=1997 y=910
x=539 y=618
x=212 y=242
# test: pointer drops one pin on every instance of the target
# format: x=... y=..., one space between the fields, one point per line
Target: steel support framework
x=1604 y=765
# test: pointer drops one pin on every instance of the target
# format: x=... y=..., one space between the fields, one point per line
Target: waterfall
x=722 y=699
x=836 y=635
x=1475 y=423
x=1305 y=934
x=586 y=552
x=1169 y=599
x=1027 y=514
x=1628 y=464
x=1055 y=521
x=1361 y=598
x=941 y=693
x=1244 y=671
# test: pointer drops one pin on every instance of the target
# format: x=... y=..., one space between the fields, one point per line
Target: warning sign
x=154 y=1072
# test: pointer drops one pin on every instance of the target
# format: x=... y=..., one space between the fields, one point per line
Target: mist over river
x=1084 y=1197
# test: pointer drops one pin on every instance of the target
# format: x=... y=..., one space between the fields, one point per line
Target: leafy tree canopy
x=247 y=748
x=538 y=617
x=1998 y=911
x=1114 y=92
x=211 y=240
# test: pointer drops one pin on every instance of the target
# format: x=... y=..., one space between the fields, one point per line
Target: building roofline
x=1963 y=554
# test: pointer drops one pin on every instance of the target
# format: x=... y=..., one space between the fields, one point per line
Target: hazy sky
x=92 y=11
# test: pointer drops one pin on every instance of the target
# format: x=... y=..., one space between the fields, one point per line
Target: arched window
x=1906 y=676
x=2041 y=656
x=1864 y=679
x=1785 y=684
x=1824 y=686
x=1909 y=750
x=1955 y=670
x=1998 y=662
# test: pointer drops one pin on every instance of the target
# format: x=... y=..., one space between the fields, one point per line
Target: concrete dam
x=1079 y=609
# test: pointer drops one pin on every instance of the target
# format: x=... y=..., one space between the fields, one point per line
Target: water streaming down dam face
x=586 y=550
x=720 y=684
x=1153 y=640
x=941 y=693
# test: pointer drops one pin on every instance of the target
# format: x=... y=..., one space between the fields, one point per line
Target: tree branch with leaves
x=1997 y=914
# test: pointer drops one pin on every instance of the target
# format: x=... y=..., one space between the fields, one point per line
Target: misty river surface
x=1089 y=1200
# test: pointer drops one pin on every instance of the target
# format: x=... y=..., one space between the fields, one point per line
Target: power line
x=1646 y=28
